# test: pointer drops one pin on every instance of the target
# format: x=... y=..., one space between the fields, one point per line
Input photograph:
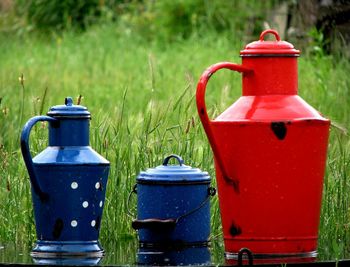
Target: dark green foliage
x=168 y=19
x=174 y=19
x=57 y=14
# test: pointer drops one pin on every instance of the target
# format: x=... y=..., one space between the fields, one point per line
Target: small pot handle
x=133 y=191
x=167 y=224
x=38 y=189
x=153 y=223
x=202 y=110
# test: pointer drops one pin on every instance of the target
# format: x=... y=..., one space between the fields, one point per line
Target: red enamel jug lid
x=269 y=48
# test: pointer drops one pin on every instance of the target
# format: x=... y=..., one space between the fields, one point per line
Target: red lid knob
x=269 y=48
x=262 y=35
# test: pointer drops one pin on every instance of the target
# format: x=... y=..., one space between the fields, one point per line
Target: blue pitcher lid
x=180 y=173
x=69 y=110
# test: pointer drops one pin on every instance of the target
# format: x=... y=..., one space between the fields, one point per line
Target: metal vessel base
x=264 y=258
x=67 y=249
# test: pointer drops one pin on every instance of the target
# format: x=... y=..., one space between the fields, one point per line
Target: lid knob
x=69 y=110
x=179 y=159
x=177 y=174
x=266 y=48
x=275 y=33
x=68 y=101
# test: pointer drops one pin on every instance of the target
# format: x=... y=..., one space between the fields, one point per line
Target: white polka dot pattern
x=85 y=204
x=97 y=185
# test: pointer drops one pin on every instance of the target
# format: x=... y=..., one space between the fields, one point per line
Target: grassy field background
x=141 y=96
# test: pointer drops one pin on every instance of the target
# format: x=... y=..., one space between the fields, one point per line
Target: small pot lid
x=166 y=173
x=69 y=110
x=269 y=48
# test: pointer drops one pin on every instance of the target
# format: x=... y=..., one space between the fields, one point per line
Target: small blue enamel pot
x=68 y=181
x=173 y=206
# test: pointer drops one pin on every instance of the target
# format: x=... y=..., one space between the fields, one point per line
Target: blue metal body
x=69 y=182
x=173 y=205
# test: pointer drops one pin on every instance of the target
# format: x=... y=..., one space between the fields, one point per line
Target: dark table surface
x=125 y=253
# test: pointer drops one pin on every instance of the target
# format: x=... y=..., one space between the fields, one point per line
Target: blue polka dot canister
x=173 y=206
x=68 y=182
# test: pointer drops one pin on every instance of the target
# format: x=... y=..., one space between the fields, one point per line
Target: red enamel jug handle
x=35 y=181
x=202 y=110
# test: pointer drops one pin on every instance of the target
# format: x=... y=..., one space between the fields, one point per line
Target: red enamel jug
x=270 y=151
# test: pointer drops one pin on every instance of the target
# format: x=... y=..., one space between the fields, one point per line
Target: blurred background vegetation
x=325 y=23
x=136 y=64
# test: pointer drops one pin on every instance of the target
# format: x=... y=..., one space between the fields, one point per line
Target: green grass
x=141 y=96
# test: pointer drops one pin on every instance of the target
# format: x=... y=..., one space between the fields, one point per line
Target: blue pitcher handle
x=28 y=157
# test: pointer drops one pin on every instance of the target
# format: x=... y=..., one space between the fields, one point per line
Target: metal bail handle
x=179 y=159
x=37 y=187
x=241 y=253
x=167 y=224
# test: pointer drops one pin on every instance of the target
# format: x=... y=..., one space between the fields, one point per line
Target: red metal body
x=270 y=151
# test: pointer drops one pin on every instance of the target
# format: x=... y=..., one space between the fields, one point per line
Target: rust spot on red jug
x=279 y=129
x=235 y=230
x=57 y=228
x=234 y=183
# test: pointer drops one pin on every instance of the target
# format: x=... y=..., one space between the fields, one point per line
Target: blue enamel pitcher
x=68 y=182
